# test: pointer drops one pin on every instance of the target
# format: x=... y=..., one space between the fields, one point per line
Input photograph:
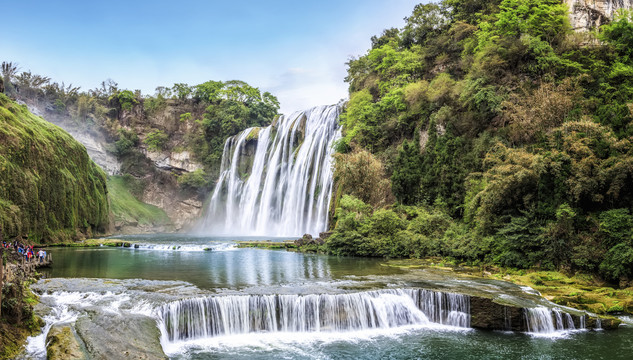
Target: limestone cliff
x=588 y=14
x=156 y=171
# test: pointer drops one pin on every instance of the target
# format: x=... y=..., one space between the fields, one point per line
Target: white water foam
x=295 y=342
x=64 y=310
x=222 y=322
x=286 y=190
x=550 y=323
x=217 y=247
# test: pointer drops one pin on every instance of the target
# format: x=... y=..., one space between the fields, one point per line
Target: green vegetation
x=270 y=245
x=233 y=106
x=488 y=132
x=193 y=180
x=156 y=140
x=202 y=116
x=127 y=208
x=96 y=243
x=127 y=141
x=579 y=291
x=50 y=190
x=18 y=320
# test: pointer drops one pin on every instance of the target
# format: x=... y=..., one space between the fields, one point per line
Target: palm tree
x=9 y=70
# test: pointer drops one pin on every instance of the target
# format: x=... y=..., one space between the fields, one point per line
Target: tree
x=362 y=175
x=208 y=91
x=182 y=91
x=405 y=181
x=9 y=70
x=426 y=21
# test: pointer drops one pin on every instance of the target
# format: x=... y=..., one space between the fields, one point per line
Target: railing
x=8 y=272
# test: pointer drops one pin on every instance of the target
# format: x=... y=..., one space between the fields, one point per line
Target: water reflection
x=234 y=268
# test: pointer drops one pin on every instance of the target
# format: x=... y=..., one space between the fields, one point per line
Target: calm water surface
x=206 y=262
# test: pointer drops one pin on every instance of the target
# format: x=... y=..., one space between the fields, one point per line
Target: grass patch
x=128 y=209
x=96 y=243
x=579 y=291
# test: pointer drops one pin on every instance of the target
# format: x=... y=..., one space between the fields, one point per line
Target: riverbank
x=580 y=291
x=17 y=318
x=94 y=243
x=268 y=244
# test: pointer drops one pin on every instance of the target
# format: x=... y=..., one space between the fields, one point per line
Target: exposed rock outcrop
x=174 y=161
x=62 y=344
x=108 y=336
x=94 y=141
x=588 y=14
x=183 y=210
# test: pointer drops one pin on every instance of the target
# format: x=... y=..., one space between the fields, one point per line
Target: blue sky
x=295 y=49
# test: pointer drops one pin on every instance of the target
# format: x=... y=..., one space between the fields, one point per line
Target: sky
x=295 y=49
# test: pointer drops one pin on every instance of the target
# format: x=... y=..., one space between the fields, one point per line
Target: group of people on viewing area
x=27 y=251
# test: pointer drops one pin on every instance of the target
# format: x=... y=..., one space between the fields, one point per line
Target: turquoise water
x=214 y=266
x=224 y=266
x=424 y=344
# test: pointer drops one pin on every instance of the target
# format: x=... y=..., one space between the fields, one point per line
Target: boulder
x=112 y=336
x=62 y=344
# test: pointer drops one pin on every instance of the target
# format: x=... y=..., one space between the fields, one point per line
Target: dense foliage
x=207 y=113
x=49 y=188
x=504 y=135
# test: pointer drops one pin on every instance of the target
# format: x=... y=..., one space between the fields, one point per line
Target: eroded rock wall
x=588 y=14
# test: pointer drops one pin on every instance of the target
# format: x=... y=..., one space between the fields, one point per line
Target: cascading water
x=541 y=320
x=276 y=181
x=444 y=308
x=228 y=315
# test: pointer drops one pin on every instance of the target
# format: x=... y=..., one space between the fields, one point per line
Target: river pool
x=174 y=281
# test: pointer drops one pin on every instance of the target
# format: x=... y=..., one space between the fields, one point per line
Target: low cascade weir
x=541 y=320
x=229 y=315
x=276 y=181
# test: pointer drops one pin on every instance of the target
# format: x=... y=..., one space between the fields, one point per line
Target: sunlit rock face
x=588 y=14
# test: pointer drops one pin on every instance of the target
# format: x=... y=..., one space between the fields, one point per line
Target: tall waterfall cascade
x=229 y=315
x=276 y=181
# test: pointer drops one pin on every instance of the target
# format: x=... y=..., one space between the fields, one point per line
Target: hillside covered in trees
x=162 y=151
x=490 y=132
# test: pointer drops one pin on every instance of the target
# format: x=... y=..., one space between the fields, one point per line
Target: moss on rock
x=50 y=190
x=62 y=344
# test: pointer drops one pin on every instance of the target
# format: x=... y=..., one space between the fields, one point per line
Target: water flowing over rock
x=541 y=320
x=228 y=315
x=276 y=181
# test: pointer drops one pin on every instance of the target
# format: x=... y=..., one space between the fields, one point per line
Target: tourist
x=41 y=255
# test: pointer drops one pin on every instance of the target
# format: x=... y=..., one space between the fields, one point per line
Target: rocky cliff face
x=588 y=14
x=157 y=171
x=94 y=141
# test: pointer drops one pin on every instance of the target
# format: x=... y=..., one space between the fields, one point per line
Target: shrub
x=127 y=140
x=156 y=140
x=193 y=180
x=618 y=262
x=615 y=226
x=362 y=175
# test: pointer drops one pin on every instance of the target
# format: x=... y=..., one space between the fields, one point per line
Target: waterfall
x=541 y=320
x=276 y=181
x=444 y=308
x=227 y=315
